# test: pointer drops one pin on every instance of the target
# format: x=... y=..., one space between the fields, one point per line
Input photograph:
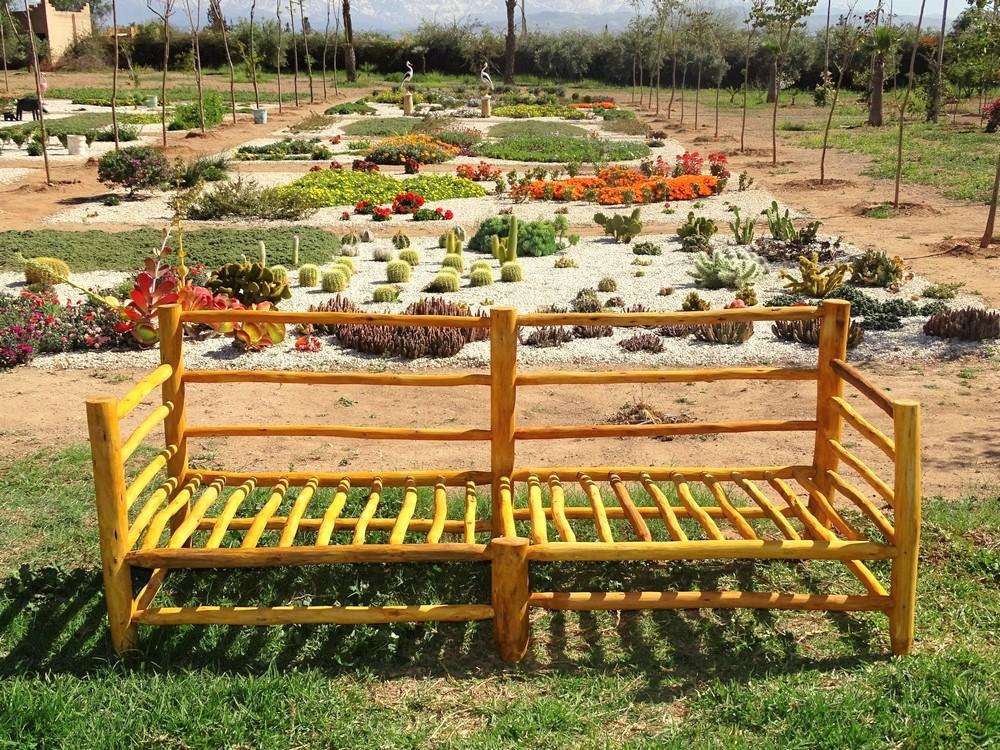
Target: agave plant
x=155 y=286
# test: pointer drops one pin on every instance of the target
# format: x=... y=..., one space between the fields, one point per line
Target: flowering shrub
x=342 y=188
x=411 y=166
x=482 y=172
x=135 y=168
x=594 y=105
x=364 y=208
x=718 y=166
x=524 y=111
x=659 y=168
x=619 y=185
x=438 y=214
x=308 y=343
x=407 y=203
x=337 y=165
x=382 y=213
x=992 y=114
x=690 y=162
x=362 y=165
x=421 y=148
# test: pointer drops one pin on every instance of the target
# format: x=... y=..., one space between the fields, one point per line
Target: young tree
x=336 y=44
x=194 y=20
x=253 y=56
x=883 y=45
x=295 y=53
x=510 y=48
x=326 y=45
x=699 y=20
x=752 y=22
x=781 y=18
x=991 y=217
x=850 y=37
x=163 y=9
x=663 y=11
x=38 y=93
x=217 y=5
x=304 y=23
x=934 y=107
x=277 y=56
x=350 y=64
x=3 y=50
x=114 y=74
x=906 y=100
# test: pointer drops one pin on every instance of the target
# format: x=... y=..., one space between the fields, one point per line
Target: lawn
x=652 y=679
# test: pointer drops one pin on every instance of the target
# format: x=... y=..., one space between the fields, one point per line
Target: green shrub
x=334 y=281
x=410 y=256
x=203 y=169
x=309 y=275
x=537 y=128
x=481 y=276
x=134 y=167
x=511 y=272
x=360 y=107
x=398 y=271
x=245 y=199
x=444 y=282
x=382 y=127
x=385 y=293
x=339 y=187
x=286 y=148
x=539 y=148
x=186 y=116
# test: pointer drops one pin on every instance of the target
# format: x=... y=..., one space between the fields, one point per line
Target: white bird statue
x=484 y=76
x=407 y=76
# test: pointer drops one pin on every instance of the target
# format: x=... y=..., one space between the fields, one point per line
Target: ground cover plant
x=245 y=199
x=335 y=187
x=421 y=148
x=536 y=128
x=286 y=148
x=380 y=127
x=558 y=148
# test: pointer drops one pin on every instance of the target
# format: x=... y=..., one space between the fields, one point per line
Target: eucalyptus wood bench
x=173 y=516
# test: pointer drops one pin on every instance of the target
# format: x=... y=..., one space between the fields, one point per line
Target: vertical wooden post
x=510 y=596
x=903 y=588
x=832 y=345
x=112 y=520
x=503 y=394
x=174 y=426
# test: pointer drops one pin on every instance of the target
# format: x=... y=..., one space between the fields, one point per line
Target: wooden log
x=469 y=521
x=729 y=510
x=864 y=472
x=276 y=557
x=665 y=510
x=650 y=319
x=148 y=592
x=509 y=569
x=874 y=435
x=506 y=510
x=112 y=519
x=148 y=510
x=503 y=397
x=854 y=376
x=175 y=423
x=907 y=493
x=755 y=494
x=647 y=511
x=711 y=549
x=229 y=510
x=182 y=534
x=856 y=496
x=834 y=324
x=334 y=318
x=368 y=513
x=658 y=473
x=398 y=533
x=452 y=478
x=332 y=514
x=144 y=477
x=629 y=509
x=593 y=493
x=697 y=513
x=539 y=525
x=440 y=514
x=291 y=527
x=170 y=512
x=313 y=615
x=608 y=377
x=587 y=601
x=344 y=522
x=345 y=431
x=292 y=377
x=252 y=537
x=824 y=509
x=559 y=517
x=143 y=388
x=144 y=428
x=576 y=432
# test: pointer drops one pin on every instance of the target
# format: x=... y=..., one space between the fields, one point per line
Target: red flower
x=449 y=215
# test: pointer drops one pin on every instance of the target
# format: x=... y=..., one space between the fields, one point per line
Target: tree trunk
x=295 y=53
x=718 y=89
x=772 y=83
x=902 y=107
x=229 y=58
x=163 y=78
x=697 y=96
x=875 y=99
x=277 y=60
x=510 y=47
x=253 y=58
x=776 y=70
x=746 y=86
x=673 y=85
x=305 y=51
x=38 y=93
x=197 y=79
x=3 y=55
x=336 y=43
x=684 y=73
x=326 y=45
x=114 y=76
x=992 y=216
x=350 y=64
x=935 y=108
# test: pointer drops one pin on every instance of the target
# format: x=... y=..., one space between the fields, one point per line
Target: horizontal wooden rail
x=564 y=432
x=722 y=549
x=599 y=377
x=699 y=317
x=312 y=615
x=345 y=431
x=617 y=600
x=636 y=473
x=143 y=388
x=585 y=512
x=874 y=435
x=292 y=377
x=342 y=523
x=873 y=480
x=147 y=425
x=334 y=318
x=852 y=375
x=450 y=477
x=271 y=557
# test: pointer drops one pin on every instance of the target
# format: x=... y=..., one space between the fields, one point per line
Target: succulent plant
x=381 y=254
x=646 y=248
x=398 y=271
x=280 y=273
x=696 y=243
x=400 y=241
x=614 y=302
x=351 y=238
x=697 y=226
x=385 y=293
x=623 y=228
x=453 y=261
x=250 y=283
x=480 y=264
x=730 y=332
x=45 y=272
x=727 y=269
x=505 y=249
x=743 y=229
x=607 y=284
x=807 y=332
x=481 y=276
x=642 y=342
x=459 y=232
x=876 y=268
x=443 y=282
x=334 y=281
x=748 y=294
x=586 y=301
x=592 y=332
x=666 y=291
x=674 y=331
x=564 y=261
x=308 y=275
x=693 y=302
x=412 y=257
x=346 y=262
x=968 y=324
x=815 y=280
x=511 y=272
x=780 y=227
x=338 y=303
x=348 y=251
x=547 y=336
x=452 y=245
x=450 y=269
x=366 y=235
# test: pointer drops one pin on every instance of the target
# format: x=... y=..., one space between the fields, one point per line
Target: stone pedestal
x=76 y=145
x=408 y=103
x=487 y=106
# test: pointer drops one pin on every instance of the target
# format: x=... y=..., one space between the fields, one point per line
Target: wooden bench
x=172 y=515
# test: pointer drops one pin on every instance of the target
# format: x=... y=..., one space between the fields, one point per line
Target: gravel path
x=10 y=174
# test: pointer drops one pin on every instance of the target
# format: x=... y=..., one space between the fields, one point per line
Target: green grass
x=383 y=126
x=537 y=128
x=723 y=679
x=94 y=250
x=959 y=161
x=557 y=148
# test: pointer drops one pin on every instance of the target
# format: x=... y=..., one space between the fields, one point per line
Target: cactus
x=45 y=271
x=443 y=240
x=511 y=272
x=280 y=273
x=398 y=271
x=309 y=275
x=452 y=245
x=412 y=257
x=250 y=283
x=450 y=269
x=385 y=293
x=351 y=238
x=748 y=294
x=453 y=261
x=586 y=301
x=295 y=251
x=366 y=235
x=459 y=232
x=263 y=253
x=400 y=241
x=480 y=264
x=730 y=332
x=816 y=281
x=780 y=227
x=564 y=261
x=593 y=332
x=381 y=255
x=623 y=228
x=646 y=248
x=876 y=268
x=505 y=249
x=727 y=269
x=642 y=342
x=547 y=336
x=743 y=229
x=334 y=281
x=334 y=304
x=482 y=276
x=346 y=262
x=607 y=284
x=443 y=282
x=807 y=332
x=696 y=233
x=968 y=324
x=693 y=302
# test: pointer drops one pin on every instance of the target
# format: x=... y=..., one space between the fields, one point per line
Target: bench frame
x=509 y=554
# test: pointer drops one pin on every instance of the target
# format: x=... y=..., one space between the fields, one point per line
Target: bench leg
x=903 y=588
x=510 y=596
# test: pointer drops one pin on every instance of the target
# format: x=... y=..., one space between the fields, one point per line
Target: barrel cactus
x=481 y=276
x=346 y=262
x=453 y=261
x=410 y=256
x=385 y=293
x=444 y=282
x=351 y=238
x=280 y=274
x=366 y=235
x=308 y=275
x=511 y=272
x=398 y=271
x=400 y=241
x=335 y=280
x=45 y=271
x=381 y=255
x=481 y=264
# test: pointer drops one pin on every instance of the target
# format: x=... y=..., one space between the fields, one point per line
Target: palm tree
x=883 y=43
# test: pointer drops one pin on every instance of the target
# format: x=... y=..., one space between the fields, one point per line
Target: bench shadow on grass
x=53 y=621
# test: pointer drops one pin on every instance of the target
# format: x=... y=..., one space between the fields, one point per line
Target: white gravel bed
x=543 y=285
x=10 y=174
